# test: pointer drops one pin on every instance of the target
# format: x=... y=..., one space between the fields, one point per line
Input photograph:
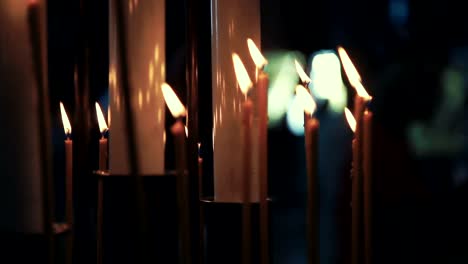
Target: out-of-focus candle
x=311 y=132
x=177 y=110
x=368 y=183
x=68 y=180
x=245 y=84
x=262 y=106
x=356 y=194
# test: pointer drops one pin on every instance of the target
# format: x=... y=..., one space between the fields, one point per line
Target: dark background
x=421 y=212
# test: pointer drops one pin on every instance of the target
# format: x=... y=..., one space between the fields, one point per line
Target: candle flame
x=101 y=120
x=173 y=103
x=351 y=119
x=241 y=74
x=306 y=100
x=304 y=77
x=352 y=74
x=65 y=120
x=186 y=131
x=256 y=54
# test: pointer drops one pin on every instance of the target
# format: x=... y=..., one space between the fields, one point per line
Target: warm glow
x=186 y=131
x=301 y=72
x=352 y=73
x=304 y=97
x=256 y=54
x=101 y=120
x=173 y=103
x=241 y=74
x=65 y=120
x=351 y=119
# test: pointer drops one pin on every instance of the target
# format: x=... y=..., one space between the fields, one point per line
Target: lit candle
x=68 y=179
x=103 y=148
x=245 y=84
x=103 y=141
x=361 y=100
x=262 y=102
x=177 y=110
x=311 y=130
x=356 y=194
x=305 y=79
x=368 y=182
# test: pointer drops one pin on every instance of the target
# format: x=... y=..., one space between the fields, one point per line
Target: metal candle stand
x=117 y=235
x=222 y=231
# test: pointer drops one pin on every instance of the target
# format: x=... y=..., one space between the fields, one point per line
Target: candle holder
x=116 y=236
x=222 y=231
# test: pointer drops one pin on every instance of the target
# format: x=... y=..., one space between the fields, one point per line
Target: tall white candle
x=147 y=71
x=21 y=193
x=233 y=22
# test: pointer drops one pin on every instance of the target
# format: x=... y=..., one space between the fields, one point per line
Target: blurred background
x=412 y=57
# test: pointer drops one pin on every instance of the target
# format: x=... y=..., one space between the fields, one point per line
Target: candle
x=202 y=212
x=245 y=84
x=102 y=167
x=360 y=101
x=178 y=131
x=368 y=182
x=356 y=198
x=68 y=181
x=311 y=129
x=305 y=79
x=237 y=20
x=262 y=100
x=103 y=157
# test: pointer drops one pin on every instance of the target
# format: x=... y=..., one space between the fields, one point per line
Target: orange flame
x=352 y=74
x=256 y=54
x=65 y=120
x=241 y=74
x=302 y=75
x=101 y=120
x=173 y=103
x=351 y=119
x=306 y=99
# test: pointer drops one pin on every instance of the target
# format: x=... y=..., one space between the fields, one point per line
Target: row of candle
x=360 y=123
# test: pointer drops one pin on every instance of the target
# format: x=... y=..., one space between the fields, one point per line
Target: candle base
x=223 y=231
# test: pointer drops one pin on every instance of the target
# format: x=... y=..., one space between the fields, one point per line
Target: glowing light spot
x=295 y=117
x=327 y=82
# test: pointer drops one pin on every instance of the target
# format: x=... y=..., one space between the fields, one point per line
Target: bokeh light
x=283 y=81
x=295 y=117
x=327 y=83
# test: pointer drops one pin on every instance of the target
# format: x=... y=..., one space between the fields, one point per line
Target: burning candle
x=103 y=141
x=245 y=84
x=368 y=182
x=305 y=79
x=68 y=178
x=262 y=101
x=311 y=130
x=103 y=150
x=361 y=100
x=177 y=110
x=356 y=194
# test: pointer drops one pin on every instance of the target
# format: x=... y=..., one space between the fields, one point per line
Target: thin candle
x=356 y=195
x=305 y=79
x=201 y=208
x=311 y=132
x=361 y=99
x=178 y=111
x=262 y=100
x=103 y=158
x=68 y=179
x=245 y=84
x=368 y=182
